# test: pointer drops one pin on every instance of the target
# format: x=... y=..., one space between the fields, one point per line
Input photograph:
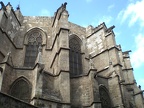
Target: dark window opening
x=104 y=97
x=75 y=58
x=21 y=90
x=34 y=40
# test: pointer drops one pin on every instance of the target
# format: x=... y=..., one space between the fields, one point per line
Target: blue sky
x=126 y=15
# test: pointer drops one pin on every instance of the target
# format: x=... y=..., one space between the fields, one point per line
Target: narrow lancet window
x=75 y=58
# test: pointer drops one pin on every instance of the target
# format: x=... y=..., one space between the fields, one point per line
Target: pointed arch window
x=104 y=97
x=21 y=89
x=75 y=57
x=34 y=40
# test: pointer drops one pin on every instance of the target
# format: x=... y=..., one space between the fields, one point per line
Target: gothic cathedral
x=49 y=62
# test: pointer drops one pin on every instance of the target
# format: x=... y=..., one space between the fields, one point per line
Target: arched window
x=104 y=97
x=75 y=57
x=34 y=40
x=21 y=89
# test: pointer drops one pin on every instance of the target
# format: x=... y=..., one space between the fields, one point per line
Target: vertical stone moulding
x=64 y=81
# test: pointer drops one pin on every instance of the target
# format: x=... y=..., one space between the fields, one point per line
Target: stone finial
x=139 y=87
x=9 y=4
x=2 y=5
x=65 y=5
x=7 y=57
x=18 y=7
x=40 y=48
x=39 y=58
x=110 y=29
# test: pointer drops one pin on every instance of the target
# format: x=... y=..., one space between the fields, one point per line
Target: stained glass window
x=75 y=58
x=34 y=40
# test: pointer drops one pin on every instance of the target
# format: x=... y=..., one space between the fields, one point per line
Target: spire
x=60 y=11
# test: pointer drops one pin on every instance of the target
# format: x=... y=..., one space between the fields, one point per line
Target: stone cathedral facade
x=49 y=62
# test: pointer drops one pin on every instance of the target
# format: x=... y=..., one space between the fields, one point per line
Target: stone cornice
x=108 y=49
x=127 y=69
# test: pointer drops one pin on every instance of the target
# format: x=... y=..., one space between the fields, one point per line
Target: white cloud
x=131 y=0
x=44 y=12
x=88 y=1
x=106 y=19
x=117 y=34
x=137 y=57
x=99 y=20
x=133 y=13
x=110 y=7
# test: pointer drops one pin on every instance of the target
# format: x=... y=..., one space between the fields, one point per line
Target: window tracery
x=75 y=58
x=34 y=41
x=21 y=90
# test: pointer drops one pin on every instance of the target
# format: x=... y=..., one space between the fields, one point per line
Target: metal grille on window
x=34 y=40
x=75 y=58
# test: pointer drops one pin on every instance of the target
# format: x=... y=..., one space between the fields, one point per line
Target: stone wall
x=81 y=91
x=77 y=30
x=49 y=89
x=53 y=84
x=7 y=101
x=7 y=78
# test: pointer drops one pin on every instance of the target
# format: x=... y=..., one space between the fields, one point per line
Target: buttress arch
x=21 y=88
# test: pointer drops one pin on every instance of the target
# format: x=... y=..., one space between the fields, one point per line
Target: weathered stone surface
x=96 y=61
x=11 y=102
